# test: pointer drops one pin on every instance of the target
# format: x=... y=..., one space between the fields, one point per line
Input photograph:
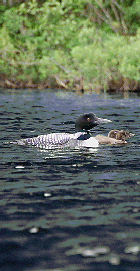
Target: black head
x=88 y=121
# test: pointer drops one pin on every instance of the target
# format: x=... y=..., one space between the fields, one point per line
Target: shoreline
x=112 y=86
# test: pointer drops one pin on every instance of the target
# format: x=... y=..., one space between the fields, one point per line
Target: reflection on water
x=68 y=209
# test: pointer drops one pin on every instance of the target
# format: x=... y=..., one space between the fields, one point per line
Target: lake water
x=66 y=210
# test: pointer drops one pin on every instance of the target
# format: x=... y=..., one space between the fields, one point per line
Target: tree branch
x=117 y=5
x=104 y=11
x=102 y=17
x=60 y=66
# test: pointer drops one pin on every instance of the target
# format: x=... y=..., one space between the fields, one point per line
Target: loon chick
x=119 y=135
x=81 y=137
x=114 y=137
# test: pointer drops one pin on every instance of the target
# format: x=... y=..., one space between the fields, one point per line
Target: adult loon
x=81 y=137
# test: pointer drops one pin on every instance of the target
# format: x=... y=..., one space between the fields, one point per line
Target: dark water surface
x=68 y=210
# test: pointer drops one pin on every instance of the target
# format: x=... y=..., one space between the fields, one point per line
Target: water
x=68 y=210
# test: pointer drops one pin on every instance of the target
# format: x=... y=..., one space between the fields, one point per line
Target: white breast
x=89 y=143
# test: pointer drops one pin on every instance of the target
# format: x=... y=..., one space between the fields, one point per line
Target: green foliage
x=8 y=50
x=12 y=21
x=115 y=55
x=5 y=40
x=130 y=64
x=132 y=16
x=2 y=9
x=68 y=38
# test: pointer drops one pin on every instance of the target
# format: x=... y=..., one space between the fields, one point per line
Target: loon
x=81 y=137
x=114 y=137
x=120 y=135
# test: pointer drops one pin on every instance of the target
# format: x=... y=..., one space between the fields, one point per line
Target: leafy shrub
x=63 y=38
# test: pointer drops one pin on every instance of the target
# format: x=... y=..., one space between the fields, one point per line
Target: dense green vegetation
x=94 y=43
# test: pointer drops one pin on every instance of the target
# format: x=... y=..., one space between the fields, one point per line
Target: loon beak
x=99 y=121
x=131 y=134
